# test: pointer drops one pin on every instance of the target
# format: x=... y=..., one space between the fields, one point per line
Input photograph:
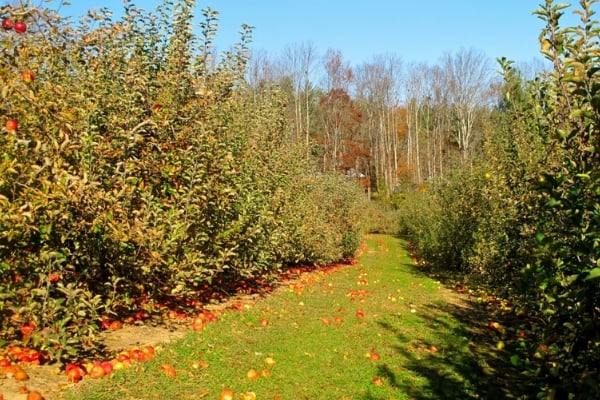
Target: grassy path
x=379 y=329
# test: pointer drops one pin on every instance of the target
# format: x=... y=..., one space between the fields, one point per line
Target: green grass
x=319 y=361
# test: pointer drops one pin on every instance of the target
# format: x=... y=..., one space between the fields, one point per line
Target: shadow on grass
x=466 y=366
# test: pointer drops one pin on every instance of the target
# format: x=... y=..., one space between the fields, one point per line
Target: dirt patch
x=51 y=381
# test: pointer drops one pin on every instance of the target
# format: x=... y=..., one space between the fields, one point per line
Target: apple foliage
x=143 y=170
x=524 y=219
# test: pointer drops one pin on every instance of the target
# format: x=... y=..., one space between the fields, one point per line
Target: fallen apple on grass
x=270 y=362
x=75 y=372
x=252 y=374
x=97 y=371
x=198 y=324
x=378 y=381
x=168 y=370
x=374 y=355
x=227 y=394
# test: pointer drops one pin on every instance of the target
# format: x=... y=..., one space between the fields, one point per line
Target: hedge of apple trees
x=135 y=167
x=525 y=219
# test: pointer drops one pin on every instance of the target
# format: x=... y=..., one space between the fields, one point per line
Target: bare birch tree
x=468 y=75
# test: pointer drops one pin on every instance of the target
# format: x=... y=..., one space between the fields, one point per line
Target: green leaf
x=553 y=202
x=540 y=237
x=569 y=326
x=515 y=360
x=593 y=274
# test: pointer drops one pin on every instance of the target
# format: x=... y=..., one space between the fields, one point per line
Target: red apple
x=108 y=367
x=375 y=355
x=20 y=27
x=4 y=362
x=11 y=125
x=121 y=357
x=75 y=372
x=378 y=381
x=264 y=322
x=148 y=352
x=137 y=355
x=7 y=24
x=27 y=328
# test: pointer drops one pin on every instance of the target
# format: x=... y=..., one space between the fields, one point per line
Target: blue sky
x=415 y=30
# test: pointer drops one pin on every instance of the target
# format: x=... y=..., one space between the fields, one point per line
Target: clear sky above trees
x=418 y=31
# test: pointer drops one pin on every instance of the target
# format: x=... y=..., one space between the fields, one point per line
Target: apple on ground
x=75 y=372
x=270 y=362
x=168 y=370
x=108 y=367
x=136 y=354
x=375 y=355
x=34 y=395
x=115 y=325
x=148 y=352
x=198 y=324
x=227 y=394
x=123 y=357
x=97 y=371
x=19 y=374
x=252 y=374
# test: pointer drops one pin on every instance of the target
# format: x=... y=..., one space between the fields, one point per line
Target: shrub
x=142 y=170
